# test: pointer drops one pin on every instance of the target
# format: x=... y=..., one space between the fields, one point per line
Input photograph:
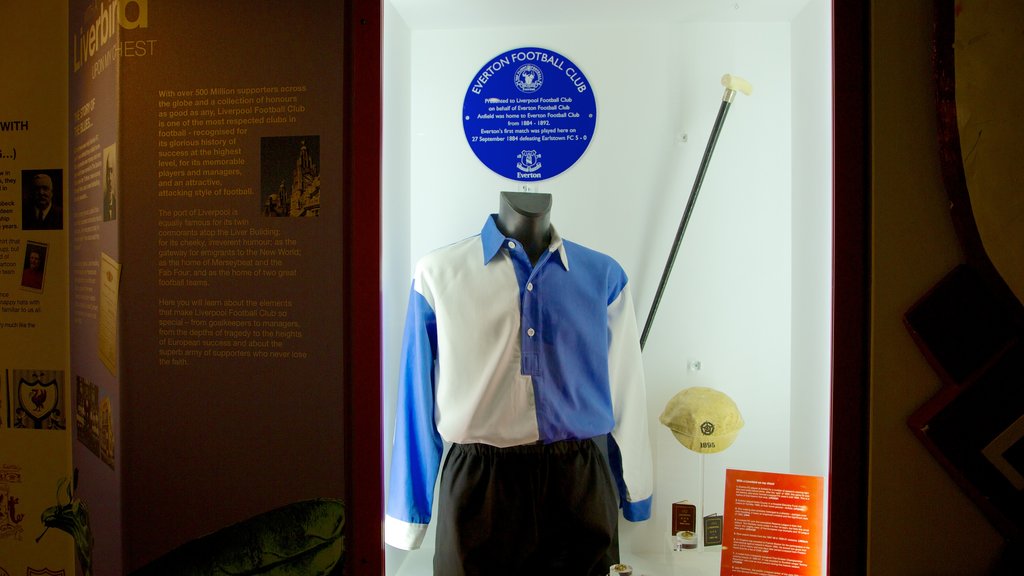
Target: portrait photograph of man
x=42 y=202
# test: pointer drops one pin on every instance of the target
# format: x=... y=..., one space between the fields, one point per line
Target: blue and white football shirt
x=501 y=352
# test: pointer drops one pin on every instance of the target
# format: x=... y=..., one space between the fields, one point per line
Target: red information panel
x=773 y=524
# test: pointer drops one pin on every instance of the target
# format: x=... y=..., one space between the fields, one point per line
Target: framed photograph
x=34 y=266
x=963 y=324
x=42 y=204
x=976 y=432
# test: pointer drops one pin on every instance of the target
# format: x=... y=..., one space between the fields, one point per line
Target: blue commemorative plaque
x=529 y=114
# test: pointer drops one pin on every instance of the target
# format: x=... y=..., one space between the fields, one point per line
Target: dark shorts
x=534 y=509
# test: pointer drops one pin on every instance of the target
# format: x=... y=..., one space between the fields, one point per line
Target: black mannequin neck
x=526 y=216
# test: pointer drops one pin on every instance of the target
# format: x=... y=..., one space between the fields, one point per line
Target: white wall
x=395 y=272
x=812 y=246
x=730 y=300
x=812 y=230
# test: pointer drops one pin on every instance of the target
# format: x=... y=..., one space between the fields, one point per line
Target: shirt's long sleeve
x=630 y=451
x=417 y=446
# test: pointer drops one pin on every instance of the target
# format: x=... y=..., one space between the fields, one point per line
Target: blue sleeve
x=637 y=511
x=416 y=454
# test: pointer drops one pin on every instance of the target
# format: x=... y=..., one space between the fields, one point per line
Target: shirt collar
x=493 y=240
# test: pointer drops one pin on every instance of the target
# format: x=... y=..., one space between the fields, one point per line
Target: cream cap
x=702 y=419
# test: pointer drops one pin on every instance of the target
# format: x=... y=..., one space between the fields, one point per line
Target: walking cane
x=732 y=85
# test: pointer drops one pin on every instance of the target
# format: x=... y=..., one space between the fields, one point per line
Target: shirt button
x=530 y=332
x=529 y=286
x=512 y=245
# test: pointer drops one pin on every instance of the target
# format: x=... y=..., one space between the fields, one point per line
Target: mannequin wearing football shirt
x=521 y=361
x=526 y=216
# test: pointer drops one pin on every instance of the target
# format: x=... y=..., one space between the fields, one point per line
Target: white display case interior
x=747 y=308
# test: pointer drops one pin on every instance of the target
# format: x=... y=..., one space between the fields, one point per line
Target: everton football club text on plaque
x=529 y=114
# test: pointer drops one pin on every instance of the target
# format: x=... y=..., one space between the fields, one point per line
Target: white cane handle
x=737 y=84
